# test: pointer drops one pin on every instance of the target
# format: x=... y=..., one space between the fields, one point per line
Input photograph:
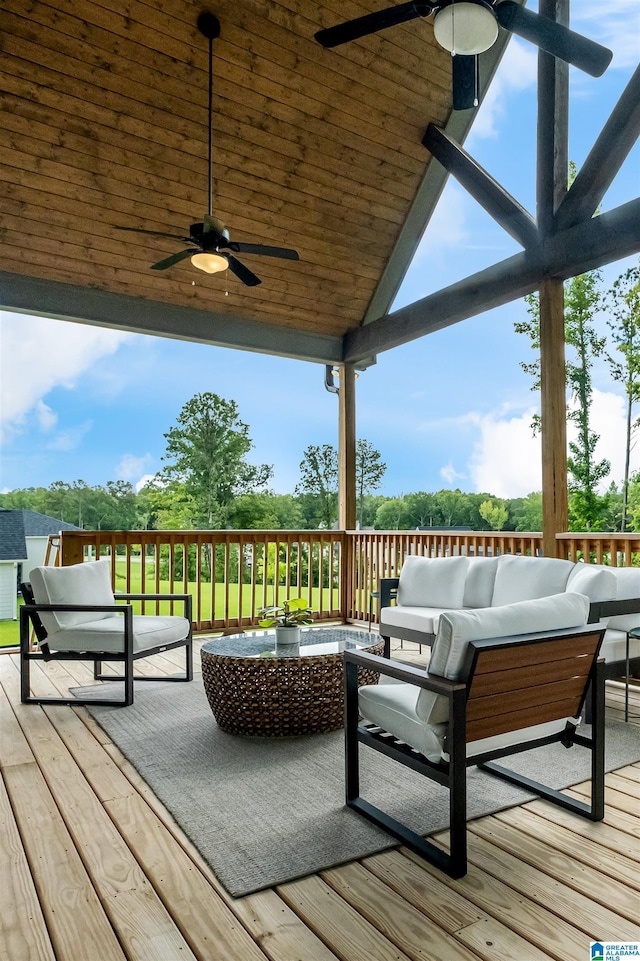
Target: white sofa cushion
x=521 y=578
x=432 y=582
x=628 y=585
x=393 y=708
x=423 y=619
x=614 y=645
x=88 y=583
x=597 y=583
x=480 y=581
x=458 y=628
x=107 y=634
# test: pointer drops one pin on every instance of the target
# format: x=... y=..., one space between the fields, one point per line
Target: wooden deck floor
x=92 y=868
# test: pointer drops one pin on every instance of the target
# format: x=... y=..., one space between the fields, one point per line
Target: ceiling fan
x=469 y=27
x=211 y=246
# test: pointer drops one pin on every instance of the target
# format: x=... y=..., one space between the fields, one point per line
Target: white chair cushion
x=423 y=619
x=480 y=581
x=420 y=717
x=107 y=634
x=597 y=583
x=393 y=708
x=88 y=583
x=432 y=582
x=457 y=628
x=526 y=578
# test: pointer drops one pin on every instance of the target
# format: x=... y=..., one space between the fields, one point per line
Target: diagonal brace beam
x=612 y=236
x=504 y=209
x=609 y=152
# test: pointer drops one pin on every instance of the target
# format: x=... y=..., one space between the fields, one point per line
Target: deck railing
x=232 y=574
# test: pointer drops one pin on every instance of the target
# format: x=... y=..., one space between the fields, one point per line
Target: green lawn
x=9 y=630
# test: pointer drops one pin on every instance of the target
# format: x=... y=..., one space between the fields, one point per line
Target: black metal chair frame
x=452 y=775
x=30 y=612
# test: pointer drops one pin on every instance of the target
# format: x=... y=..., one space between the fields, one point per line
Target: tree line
x=208 y=481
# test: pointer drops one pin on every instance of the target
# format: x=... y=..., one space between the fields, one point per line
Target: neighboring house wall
x=8 y=590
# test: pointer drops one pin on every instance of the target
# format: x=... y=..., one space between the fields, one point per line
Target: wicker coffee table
x=253 y=691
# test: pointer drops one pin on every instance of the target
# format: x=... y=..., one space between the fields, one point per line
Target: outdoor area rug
x=263 y=811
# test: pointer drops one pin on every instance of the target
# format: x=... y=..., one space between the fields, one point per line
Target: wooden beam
x=552 y=185
x=599 y=241
x=499 y=204
x=121 y=312
x=618 y=137
x=553 y=414
x=347 y=448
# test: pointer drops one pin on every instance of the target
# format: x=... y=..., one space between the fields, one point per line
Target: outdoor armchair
x=486 y=696
x=76 y=616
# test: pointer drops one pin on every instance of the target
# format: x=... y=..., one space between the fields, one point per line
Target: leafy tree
x=495 y=513
x=369 y=472
x=392 y=515
x=319 y=478
x=266 y=512
x=526 y=512
x=623 y=301
x=208 y=447
x=582 y=300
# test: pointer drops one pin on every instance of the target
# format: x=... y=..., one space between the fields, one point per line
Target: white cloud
x=518 y=70
x=506 y=459
x=618 y=28
x=449 y=473
x=143 y=480
x=131 y=466
x=68 y=440
x=47 y=418
x=39 y=354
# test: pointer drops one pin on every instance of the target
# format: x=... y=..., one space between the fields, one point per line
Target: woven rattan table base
x=278 y=696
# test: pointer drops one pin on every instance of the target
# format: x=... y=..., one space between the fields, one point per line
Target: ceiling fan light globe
x=465 y=27
x=211 y=263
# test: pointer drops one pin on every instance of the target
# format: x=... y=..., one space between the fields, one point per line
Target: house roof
x=13 y=546
x=42 y=525
x=103 y=122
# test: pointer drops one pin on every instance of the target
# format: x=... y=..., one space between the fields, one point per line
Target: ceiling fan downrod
x=209 y=26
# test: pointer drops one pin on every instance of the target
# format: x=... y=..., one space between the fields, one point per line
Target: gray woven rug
x=265 y=811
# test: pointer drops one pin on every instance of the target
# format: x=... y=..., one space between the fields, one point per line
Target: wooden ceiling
x=103 y=122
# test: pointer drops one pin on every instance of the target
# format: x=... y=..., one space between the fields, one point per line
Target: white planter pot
x=287 y=639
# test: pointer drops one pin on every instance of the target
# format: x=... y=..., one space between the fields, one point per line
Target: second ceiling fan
x=211 y=248
x=469 y=27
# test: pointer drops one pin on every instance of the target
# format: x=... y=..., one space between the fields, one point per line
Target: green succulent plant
x=291 y=613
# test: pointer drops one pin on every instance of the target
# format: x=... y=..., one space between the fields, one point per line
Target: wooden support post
x=347 y=449
x=552 y=184
x=553 y=409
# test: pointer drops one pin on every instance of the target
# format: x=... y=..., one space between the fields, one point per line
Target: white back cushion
x=628 y=585
x=597 y=583
x=88 y=583
x=432 y=582
x=457 y=628
x=480 y=581
x=525 y=578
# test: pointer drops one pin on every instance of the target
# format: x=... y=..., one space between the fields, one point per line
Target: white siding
x=8 y=590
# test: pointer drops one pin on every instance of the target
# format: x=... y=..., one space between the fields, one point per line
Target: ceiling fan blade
x=372 y=22
x=154 y=233
x=553 y=37
x=242 y=273
x=466 y=89
x=284 y=252
x=174 y=259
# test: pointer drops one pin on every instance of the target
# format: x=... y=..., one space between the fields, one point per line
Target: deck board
x=92 y=865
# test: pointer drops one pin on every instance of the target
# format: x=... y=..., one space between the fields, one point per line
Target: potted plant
x=287 y=618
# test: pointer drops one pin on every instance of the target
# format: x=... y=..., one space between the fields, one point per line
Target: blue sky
x=452 y=409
